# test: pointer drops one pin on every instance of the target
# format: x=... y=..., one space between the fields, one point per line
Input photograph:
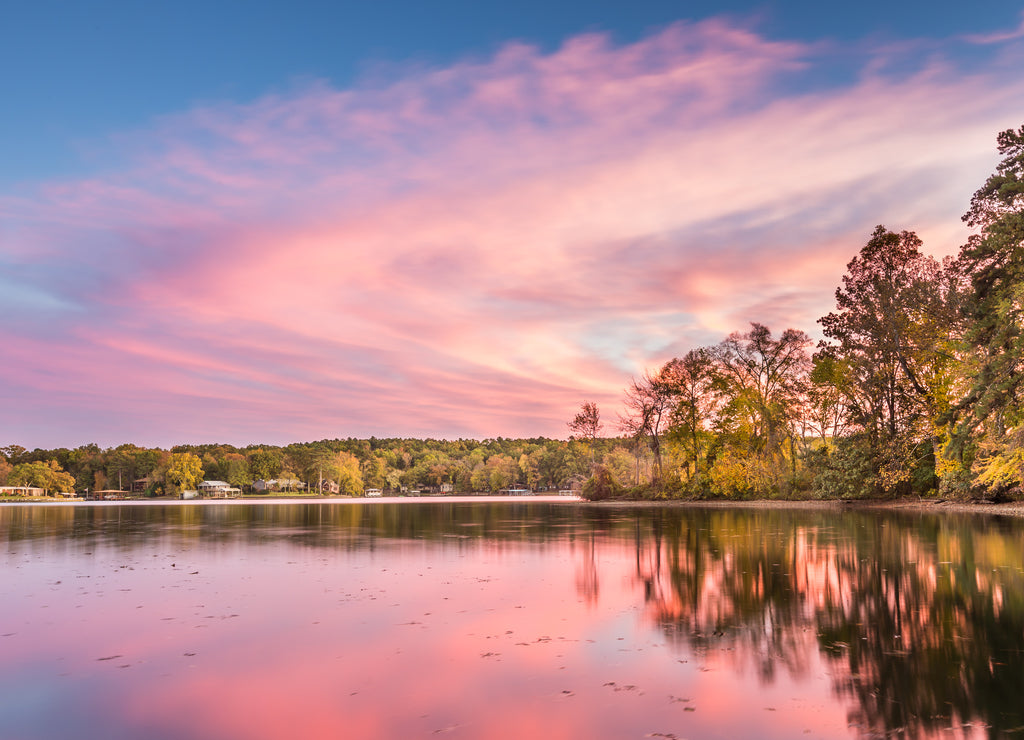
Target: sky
x=266 y=222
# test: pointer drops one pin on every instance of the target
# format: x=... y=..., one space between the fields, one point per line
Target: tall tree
x=765 y=378
x=46 y=475
x=649 y=403
x=889 y=354
x=586 y=425
x=184 y=471
x=992 y=262
x=693 y=378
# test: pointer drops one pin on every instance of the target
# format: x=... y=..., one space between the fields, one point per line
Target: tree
x=46 y=475
x=693 y=379
x=587 y=425
x=763 y=381
x=502 y=472
x=264 y=464
x=347 y=474
x=890 y=353
x=236 y=470
x=649 y=405
x=184 y=471
x=529 y=467
x=13 y=453
x=374 y=470
x=992 y=263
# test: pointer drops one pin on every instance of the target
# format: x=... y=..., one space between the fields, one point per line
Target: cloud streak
x=471 y=250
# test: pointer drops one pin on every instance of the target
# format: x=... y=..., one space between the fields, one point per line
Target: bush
x=845 y=472
x=601 y=485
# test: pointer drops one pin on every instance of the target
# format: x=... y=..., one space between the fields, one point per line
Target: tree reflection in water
x=921 y=618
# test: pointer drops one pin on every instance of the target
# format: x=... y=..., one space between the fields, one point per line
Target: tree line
x=344 y=466
x=916 y=388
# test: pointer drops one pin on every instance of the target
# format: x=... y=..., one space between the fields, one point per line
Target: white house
x=22 y=491
x=218 y=489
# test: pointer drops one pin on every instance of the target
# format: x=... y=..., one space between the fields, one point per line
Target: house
x=218 y=489
x=329 y=486
x=372 y=492
x=22 y=491
x=278 y=484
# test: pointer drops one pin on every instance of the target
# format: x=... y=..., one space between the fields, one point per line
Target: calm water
x=506 y=620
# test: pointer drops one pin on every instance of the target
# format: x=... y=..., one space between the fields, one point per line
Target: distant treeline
x=916 y=389
x=351 y=465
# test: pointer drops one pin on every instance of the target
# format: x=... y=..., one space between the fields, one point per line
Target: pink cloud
x=470 y=250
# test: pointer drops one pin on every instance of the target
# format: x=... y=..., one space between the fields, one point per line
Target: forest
x=915 y=390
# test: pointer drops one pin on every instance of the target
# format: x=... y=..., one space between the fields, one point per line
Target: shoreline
x=1012 y=509
x=264 y=500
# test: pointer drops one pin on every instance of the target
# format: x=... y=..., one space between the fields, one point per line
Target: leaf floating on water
x=449 y=728
x=109 y=657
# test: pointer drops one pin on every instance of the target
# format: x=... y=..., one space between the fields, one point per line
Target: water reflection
x=507 y=620
x=921 y=618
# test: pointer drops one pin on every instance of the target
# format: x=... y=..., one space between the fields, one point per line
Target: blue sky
x=256 y=222
x=74 y=73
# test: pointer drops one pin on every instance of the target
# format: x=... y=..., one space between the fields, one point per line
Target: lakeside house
x=329 y=486
x=373 y=492
x=32 y=491
x=278 y=484
x=218 y=489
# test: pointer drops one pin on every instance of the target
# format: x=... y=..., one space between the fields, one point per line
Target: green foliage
x=46 y=475
x=845 y=471
x=992 y=262
x=601 y=486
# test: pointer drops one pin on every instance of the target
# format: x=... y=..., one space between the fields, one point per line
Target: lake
x=506 y=620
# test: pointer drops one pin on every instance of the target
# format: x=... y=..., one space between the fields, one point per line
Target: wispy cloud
x=471 y=250
x=998 y=37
